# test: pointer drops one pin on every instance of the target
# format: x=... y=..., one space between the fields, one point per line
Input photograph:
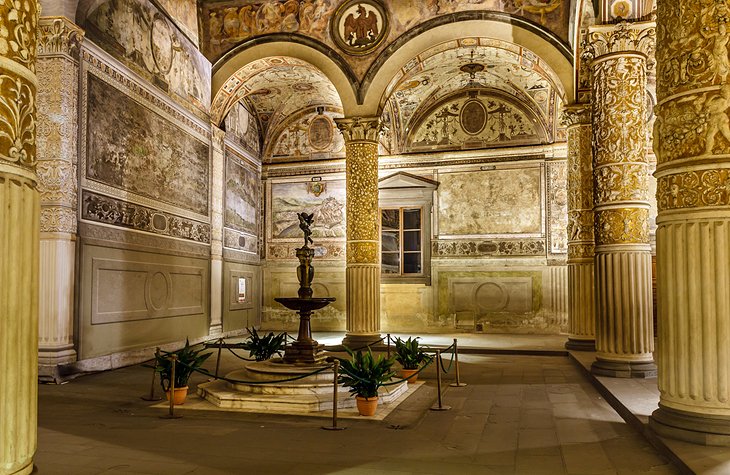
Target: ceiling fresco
x=436 y=74
x=226 y=24
x=277 y=88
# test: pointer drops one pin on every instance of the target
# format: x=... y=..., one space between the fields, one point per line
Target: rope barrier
x=441 y=363
x=241 y=381
x=368 y=345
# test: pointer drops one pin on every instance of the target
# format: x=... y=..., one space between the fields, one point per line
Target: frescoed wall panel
x=132 y=148
x=325 y=199
x=185 y=15
x=242 y=194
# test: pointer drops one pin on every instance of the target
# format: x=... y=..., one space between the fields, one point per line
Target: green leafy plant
x=409 y=354
x=188 y=360
x=364 y=373
x=264 y=347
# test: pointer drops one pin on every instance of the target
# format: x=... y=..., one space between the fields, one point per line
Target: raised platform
x=308 y=394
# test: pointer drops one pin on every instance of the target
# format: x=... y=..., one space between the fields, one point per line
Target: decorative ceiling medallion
x=321 y=132
x=359 y=26
x=621 y=9
x=473 y=117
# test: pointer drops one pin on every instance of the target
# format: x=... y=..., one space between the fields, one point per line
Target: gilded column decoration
x=623 y=294
x=216 y=232
x=19 y=234
x=581 y=243
x=363 y=240
x=692 y=144
x=57 y=69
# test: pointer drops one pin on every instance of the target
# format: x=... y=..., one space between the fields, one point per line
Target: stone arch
x=495 y=25
x=319 y=55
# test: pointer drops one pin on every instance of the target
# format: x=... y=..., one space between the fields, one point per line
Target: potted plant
x=410 y=356
x=364 y=374
x=264 y=347
x=188 y=360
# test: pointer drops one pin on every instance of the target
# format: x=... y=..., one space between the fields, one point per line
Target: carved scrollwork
x=621 y=37
x=581 y=251
x=362 y=252
x=362 y=191
x=17 y=121
x=694 y=189
x=624 y=182
x=59 y=36
x=365 y=129
x=18 y=30
x=622 y=226
x=57 y=182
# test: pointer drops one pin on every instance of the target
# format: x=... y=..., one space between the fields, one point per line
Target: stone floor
x=518 y=415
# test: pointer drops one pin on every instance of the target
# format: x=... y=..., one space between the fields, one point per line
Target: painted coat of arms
x=359 y=26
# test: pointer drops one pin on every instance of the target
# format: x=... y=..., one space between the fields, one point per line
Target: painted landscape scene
x=325 y=199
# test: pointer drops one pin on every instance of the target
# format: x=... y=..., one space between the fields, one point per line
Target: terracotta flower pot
x=180 y=395
x=405 y=373
x=367 y=406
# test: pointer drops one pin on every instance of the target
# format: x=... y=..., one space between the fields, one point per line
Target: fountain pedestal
x=305 y=350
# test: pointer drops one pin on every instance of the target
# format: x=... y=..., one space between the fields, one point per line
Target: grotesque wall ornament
x=359 y=26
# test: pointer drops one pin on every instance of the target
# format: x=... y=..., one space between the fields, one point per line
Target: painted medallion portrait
x=359 y=26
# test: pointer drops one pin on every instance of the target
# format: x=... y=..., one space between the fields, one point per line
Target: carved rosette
x=692 y=144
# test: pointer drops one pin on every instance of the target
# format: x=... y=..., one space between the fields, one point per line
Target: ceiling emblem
x=473 y=117
x=321 y=132
x=359 y=26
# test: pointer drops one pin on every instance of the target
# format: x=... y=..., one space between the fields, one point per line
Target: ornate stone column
x=692 y=144
x=58 y=70
x=218 y=158
x=19 y=235
x=623 y=298
x=363 y=239
x=581 y=313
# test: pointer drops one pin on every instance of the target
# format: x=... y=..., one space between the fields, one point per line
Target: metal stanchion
x=336 y=370
x=218 y=360
x=171 y=414
x=152 y=396
x=457 y=383
x=440 y=406
x=388 y=337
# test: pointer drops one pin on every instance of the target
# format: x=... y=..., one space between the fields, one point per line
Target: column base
x=356 y=341
x=689 y=427
x=215 y=331
x=54 y=364
x=624 y=369
x=580 y=345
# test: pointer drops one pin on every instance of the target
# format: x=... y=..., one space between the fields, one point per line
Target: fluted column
x=57 y=69
x=19 y=235
x=623 y=297
x=216 y=232
x=692 y=144
x=363 y=240
x=581 y=314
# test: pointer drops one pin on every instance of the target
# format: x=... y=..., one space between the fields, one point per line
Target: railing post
x=440 y=406
x=171 y=414
x=152 y=396
x=335 y=385
x=458 y=383
x=388 y=337
x=218 y=359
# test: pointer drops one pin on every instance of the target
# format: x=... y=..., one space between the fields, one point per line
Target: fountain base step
x=307 y=394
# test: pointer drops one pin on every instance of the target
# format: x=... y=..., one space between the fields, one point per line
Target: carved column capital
x=623 y=37
x=59 y=36
x=576 y=114
x=218 y=137
x=360 y=129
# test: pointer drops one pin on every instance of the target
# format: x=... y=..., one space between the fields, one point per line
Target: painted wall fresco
x=229 y=23
x=242 y=194
x=136 y=33
x=309 y=136
x=326 y=199
x=132 y=148
x=478 y=122
x=557 y=198
x=243 y=129
x=185 y=15
x=506 y=201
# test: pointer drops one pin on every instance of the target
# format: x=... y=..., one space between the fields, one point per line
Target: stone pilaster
x=19 y=234
x=692 y=144
x=581 y=243
x=363 y=239
x=57 y=69
x=218 y=158
x=623 y=298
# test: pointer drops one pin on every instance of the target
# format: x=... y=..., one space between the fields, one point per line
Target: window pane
x=411 y=240
x=412 y=263
x=390 y=263
x=412 y=218
x=390 y=218
x=391 y=241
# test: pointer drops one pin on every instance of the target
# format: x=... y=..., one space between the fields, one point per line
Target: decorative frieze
x=103 y=209
x=321 y=251
x=497 y=248
x=694 y=189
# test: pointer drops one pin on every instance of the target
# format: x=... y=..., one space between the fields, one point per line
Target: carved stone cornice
x=360 y=129
x=59 y=36
x=576 y=114
x=622 y=37
x=218 y=136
